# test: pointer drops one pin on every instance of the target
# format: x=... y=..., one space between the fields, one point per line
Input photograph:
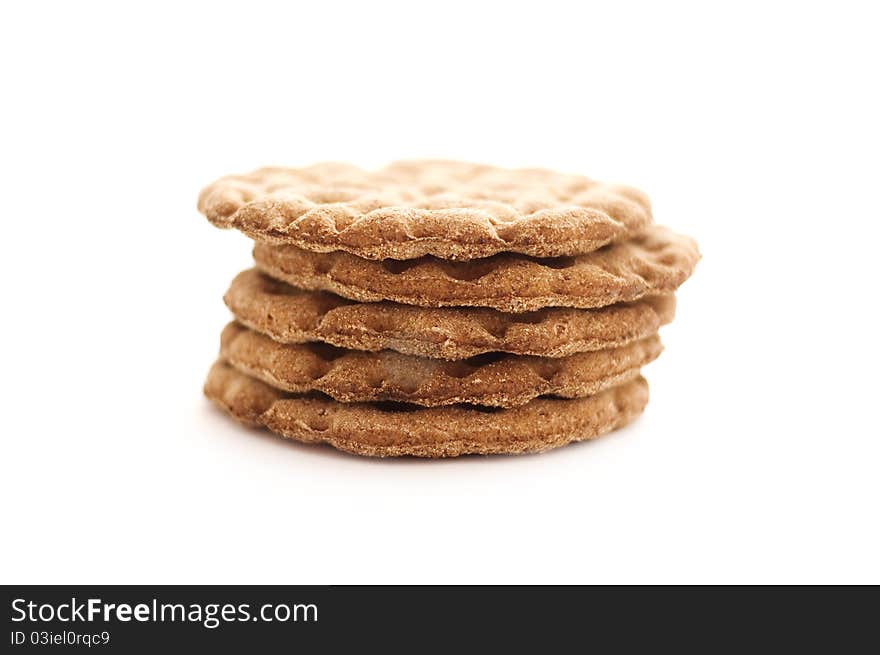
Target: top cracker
x=452 y=210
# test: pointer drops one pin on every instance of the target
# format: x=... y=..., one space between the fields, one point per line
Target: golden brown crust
x=291 y=315
x=493 y=380
x=381 y=430
x=453 y=210
x=655 y=262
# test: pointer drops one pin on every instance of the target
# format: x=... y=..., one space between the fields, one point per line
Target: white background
x=754 y=129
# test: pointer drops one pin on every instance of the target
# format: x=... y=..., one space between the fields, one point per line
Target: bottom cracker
x=391 y=429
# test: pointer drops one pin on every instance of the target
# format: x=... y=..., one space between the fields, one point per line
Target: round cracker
x=383 y=430
x=454 y=210
x=657 y=261
x=291 y=315
x=493 y=380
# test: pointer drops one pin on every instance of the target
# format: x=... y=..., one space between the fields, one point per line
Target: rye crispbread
x=382 y=429
x=453 y=210
x=493 y=380
x=291 y=315
x=654 y=262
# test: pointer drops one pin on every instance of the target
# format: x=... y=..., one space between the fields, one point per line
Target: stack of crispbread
x=438 y=308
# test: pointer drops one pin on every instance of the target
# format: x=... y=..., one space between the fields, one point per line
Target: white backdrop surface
x=754 y=129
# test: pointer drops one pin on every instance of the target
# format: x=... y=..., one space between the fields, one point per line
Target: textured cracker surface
x=291 y=315
x=655 y=262
x=384 y=430
x=494 y=380
x=453 y=210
